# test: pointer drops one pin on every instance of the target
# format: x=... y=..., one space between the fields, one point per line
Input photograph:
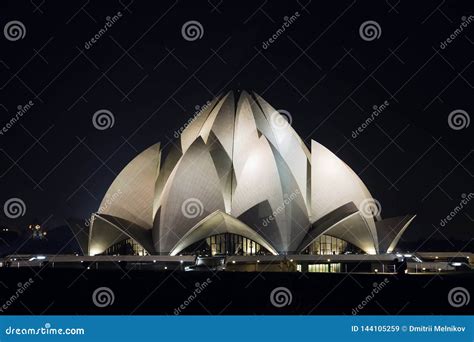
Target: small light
x=258 y=260
x=166 y=267
x=154 y=260
x=181 y=261
x=436 y=257
x=423 y=269
x=439 y=269
x=456 y=264
x=376 y=270
x=291 y=260
x=233 y=261
x=329 y=260
x=82 y=261
x=88 y=267
x=406 y=271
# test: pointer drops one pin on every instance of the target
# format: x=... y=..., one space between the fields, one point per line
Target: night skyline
x=151 y=79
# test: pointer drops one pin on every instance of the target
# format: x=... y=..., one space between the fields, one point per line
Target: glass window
x=318 y=268
x=324 y=268
x=328 y=245
x=126 y=247
x=230 y=244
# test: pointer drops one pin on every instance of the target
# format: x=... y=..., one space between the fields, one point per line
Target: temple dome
x=240 y=168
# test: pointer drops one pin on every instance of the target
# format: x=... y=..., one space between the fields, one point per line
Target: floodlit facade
x=240 y=182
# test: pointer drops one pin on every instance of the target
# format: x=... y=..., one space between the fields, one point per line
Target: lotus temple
x=240 y=183
x=237 y=190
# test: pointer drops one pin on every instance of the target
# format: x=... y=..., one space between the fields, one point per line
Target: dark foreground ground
x=71 y=291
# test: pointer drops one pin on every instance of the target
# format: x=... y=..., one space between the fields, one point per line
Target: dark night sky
x=319 y=70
